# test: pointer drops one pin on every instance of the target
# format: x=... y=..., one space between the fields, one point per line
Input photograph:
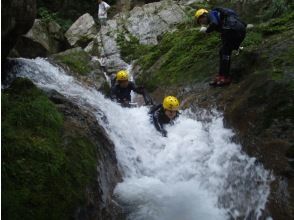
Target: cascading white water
x=196 y=173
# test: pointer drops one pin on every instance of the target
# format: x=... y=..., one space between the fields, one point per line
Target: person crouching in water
x=165 y=113
x=232 y=30
x=121 y=89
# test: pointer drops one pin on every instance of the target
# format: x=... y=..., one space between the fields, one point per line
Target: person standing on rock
x=102 y=62
x=232 y=30
x=103 y=7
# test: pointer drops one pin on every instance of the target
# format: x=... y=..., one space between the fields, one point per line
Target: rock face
x=82 y=123
x=82 y=31
x=144 y=23
x=42 y=40
x=17 y=18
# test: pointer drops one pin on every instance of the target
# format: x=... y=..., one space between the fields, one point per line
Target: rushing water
x=196 y=173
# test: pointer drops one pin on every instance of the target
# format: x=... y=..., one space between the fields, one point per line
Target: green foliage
x=131 y=49
x=42 y=178
x=77 y=60
x=277 y=25
x=48 y=16
x=276 y=9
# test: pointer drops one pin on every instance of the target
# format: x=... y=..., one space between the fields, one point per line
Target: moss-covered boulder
x=82 y=66
x=56 y=160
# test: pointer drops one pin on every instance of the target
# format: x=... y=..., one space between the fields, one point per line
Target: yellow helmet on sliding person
x=122 y=75
x=171 y=103
x=200 y=12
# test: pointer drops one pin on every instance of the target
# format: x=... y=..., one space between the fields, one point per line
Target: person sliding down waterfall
x=233 y=32
x=165 y=113
x=122 y=87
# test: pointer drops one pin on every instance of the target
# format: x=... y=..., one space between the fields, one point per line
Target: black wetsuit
x=159 y=119
x=123 y=95
x=233 y=32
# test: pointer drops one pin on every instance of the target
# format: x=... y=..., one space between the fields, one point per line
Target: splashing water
x=196 y=173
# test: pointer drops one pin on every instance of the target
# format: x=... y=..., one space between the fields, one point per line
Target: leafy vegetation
x=48 y=16
x=42 y=177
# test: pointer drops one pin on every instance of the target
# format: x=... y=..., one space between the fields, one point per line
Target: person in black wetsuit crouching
x=122 y=87
x=232 y=30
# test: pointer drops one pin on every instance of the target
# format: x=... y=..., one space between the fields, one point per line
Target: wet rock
x=80 y=122
x=68 y=164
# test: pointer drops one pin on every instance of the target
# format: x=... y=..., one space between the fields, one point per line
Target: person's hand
x=164 y=133
x=203 y=29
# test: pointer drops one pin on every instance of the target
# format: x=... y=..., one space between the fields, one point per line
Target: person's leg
x=225 y=60
x=103 y=21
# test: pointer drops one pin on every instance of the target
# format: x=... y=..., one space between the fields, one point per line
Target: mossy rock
x=181 y=57
x=42 y=176
x=77 y=60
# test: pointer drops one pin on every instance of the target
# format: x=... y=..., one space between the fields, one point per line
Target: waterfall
x=196 y=173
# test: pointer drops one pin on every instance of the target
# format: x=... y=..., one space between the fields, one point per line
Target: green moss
x=131 y=49
x=76 y=59
x=253 y=39
x=182 y=57
x=42 y=178
x=187 y=56
x=277 y=25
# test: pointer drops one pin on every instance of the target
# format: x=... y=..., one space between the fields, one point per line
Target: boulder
x=42 y=40
x=17 y=18
x=82 y=31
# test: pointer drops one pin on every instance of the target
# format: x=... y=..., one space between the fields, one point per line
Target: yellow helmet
x=200 y=12
x=171 y=103
x=122 y=75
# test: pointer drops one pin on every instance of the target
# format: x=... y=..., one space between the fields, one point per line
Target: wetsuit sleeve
x=113 y=92
x=157 y=124
x=136 y=89
x=213 y=21
x=154 y=108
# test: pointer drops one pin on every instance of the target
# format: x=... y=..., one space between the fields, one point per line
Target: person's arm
x=154 y=108
x=139 y=90
x=113 y=92
x=159 y=127
x=107 y=6
x=213 y=22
